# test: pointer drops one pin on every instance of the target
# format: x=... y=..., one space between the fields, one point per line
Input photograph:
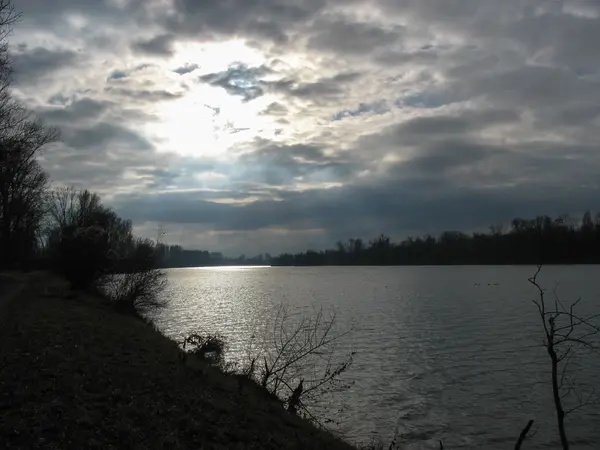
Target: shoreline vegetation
x=81 y=367
x=77 y=374
x=547 y=240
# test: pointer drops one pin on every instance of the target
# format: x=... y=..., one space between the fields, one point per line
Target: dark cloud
x=58 y=99
x=161 y=45
x=446 y=159
x=532 y=86
x=260 y=19
x=378 y=107
x=323 y=89
x=121 y=75
x=96 y=151
x=564 y=38
x=144 y=95
x=422 y=57
x=576 y=114
x=277 y=165
x=104 y=135
x=394 y=207
x=343 y=36
x=423 y=131
x=275 y=109
x=50 y=15
x=463 y=123
x=117 y=75
x=39 y=63
x=85 y=108
x=185 y=69
x=239 y=80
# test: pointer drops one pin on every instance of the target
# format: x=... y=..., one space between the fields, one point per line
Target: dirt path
x=17 y=288
x=11 y=285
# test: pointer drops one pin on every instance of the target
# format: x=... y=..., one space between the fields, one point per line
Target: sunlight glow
x=217 y=56
x=229 y=268
x=208 y=121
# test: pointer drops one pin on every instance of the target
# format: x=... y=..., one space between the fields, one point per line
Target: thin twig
x=523 y=435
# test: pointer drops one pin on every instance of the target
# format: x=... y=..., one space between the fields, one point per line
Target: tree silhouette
x=560 y=240
x=22 y=180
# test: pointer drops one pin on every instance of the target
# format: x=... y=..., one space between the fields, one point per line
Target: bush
x=297 y=360
x=209 y=347
x=95 y=249
x=138 y=287
x=83 y=255
x=135 y=292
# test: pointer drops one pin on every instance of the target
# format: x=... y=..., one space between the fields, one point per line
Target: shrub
x=83 y=255
x=297 y=360
x=135 y=292
x=95 y=249
x=138 y=287
x=209 y=347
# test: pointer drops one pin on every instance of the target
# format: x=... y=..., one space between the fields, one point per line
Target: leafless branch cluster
x=298 y=359
x=22 y=180
x=96 y=248
x=209 y=347
x=8 y=17
x=565 y=332
x=137 y=291
x=138 y=285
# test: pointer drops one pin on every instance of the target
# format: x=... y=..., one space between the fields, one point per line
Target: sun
x=207 y=121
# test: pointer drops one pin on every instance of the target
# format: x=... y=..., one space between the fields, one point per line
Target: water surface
x=443 y=353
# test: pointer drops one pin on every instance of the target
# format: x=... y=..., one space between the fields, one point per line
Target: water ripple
x=437 y=356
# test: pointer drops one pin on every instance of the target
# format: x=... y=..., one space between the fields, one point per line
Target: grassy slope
x=75 y=374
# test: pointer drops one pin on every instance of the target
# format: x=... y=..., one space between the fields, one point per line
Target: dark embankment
x=76 y=374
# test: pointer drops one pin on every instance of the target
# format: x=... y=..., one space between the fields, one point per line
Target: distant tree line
x=560 y=240
x=171 y=256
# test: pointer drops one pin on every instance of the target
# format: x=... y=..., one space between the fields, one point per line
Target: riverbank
x=76 y=374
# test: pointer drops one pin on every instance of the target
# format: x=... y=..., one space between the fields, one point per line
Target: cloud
x=81 y=109
x=322 y=90
x=275 y=109
x=239 y=79
x=272 y=20
x=186 y=68
x=144 y=95
x=117 y=75
x=40 y=63
x=161 y=45
x=391 y=208
x=378 y=107
x=350 y=37
x=104 y=134
x=277 y=165
x=273 y=124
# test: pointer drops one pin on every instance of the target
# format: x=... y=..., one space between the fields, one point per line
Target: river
x=442 y=353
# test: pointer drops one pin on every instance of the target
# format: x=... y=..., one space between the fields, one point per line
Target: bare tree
x=565 y=332
x=298 y=359
x=8 y=17
x=138 y=285
x=63 y=207
x=96 y=248
x=208 y=347
x=86 y=239
x=22 y=186
x=22 y=180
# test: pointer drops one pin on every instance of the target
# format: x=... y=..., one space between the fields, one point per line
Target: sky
x=248 y=126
